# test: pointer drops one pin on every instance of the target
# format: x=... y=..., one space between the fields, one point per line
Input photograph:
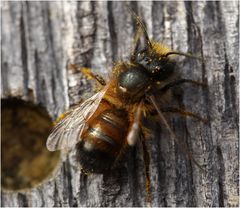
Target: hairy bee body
x=106 y=124
x=103 y=139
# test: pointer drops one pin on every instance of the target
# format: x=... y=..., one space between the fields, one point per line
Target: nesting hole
x=26 y=162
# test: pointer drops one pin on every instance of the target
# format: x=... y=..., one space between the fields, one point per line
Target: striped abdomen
x=103 y=140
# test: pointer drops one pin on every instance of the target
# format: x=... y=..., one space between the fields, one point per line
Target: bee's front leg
x=179 y=82
x=87 y=72
x=91 y=75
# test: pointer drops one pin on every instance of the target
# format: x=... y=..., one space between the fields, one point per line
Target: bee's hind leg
x=146 y=158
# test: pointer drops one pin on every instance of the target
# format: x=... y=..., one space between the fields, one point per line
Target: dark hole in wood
x=26 y=162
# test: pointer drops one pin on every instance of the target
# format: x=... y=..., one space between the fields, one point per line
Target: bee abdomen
x=113 y=120
x=103 y=140
x=98 y=134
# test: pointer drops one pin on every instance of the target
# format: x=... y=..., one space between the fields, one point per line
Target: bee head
x=157 y=65
x=150 y=55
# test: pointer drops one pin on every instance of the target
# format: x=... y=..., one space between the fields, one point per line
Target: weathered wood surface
x=40 y=39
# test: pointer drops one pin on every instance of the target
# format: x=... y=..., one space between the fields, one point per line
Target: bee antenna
x=140 y=24
x=183 y=54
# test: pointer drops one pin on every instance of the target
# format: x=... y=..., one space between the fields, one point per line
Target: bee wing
x=68 y=131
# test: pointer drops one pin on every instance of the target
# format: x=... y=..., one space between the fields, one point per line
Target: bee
x=104 y=126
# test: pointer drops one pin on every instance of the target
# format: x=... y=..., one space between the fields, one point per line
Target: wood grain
x=40 y=40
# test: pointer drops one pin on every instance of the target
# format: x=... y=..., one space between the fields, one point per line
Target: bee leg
x=87 y=72
x=146 y=158
x=133 y=133
x=91 y=75
x=134 y=129
x=176 y=139
x=183 y=113
x=179 y=82
x=138 y=131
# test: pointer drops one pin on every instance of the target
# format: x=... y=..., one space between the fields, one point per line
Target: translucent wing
x=68 y=131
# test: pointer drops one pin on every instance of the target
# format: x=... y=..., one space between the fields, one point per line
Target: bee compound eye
x=26 y=162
